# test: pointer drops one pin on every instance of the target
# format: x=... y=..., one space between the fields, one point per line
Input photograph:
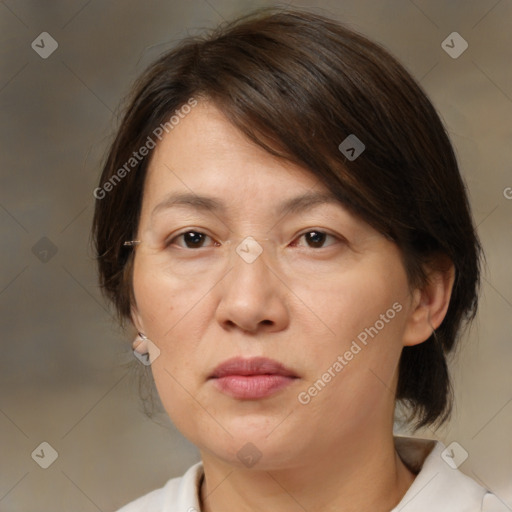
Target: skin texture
x=300 y=305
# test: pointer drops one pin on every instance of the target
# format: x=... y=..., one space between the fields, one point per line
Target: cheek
x=354 y=301
x=172 y=314
x=364 y=311
x=175 y=388
x=165 y=304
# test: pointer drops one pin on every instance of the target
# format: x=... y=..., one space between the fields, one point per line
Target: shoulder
x=178 y=494
x=439 y=485
x=492 y=503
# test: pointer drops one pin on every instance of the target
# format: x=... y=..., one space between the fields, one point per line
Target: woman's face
x=316 y=290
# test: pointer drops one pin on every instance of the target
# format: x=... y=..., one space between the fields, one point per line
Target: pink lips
x=251 y=379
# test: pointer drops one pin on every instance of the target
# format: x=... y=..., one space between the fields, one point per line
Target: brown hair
x=298 y=84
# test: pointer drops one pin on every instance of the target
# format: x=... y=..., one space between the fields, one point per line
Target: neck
x=364 y=474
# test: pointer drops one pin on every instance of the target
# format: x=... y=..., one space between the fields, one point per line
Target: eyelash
x=171 y=241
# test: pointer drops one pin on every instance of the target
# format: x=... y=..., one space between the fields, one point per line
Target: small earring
x=140 y=344
x=145 y=351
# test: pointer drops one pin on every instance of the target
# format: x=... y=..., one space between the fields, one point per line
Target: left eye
x=316 y=239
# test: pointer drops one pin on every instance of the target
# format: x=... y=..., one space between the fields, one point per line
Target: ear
x=429 y=305
x=136 y=319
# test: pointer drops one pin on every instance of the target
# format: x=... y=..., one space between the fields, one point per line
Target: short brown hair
x=298 y=84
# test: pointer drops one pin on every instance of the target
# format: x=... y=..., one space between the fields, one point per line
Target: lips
x=253 y=366
x=251 y=379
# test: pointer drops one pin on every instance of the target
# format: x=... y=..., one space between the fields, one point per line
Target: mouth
x=251 y=379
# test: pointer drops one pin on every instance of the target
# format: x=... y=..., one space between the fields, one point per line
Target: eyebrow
x=307 y=201
x=189 y=200
x=296 y=204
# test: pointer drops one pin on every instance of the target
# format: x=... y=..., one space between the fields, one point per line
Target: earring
x=140 y=344
x=145 y=350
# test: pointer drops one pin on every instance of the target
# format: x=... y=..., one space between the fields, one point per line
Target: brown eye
x=191 y=240
x=315 y=239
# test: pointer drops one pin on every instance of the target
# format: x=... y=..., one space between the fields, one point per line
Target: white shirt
x=437 y=486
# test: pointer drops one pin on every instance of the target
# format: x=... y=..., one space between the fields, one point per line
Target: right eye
x=192 y=240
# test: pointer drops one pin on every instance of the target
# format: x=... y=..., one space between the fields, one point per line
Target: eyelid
x=172 y=238
x=336 y=236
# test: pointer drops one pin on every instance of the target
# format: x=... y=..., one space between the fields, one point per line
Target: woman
x=282 y=219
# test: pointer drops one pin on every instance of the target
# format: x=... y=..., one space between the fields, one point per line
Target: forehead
x=204 y=154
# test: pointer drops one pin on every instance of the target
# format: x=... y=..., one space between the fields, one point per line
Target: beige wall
x=61 y=369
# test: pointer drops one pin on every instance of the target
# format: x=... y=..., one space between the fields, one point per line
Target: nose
x=253 y=297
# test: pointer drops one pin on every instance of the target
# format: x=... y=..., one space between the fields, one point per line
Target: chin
x=257 y=455
x=258 y=447
x=258 y=426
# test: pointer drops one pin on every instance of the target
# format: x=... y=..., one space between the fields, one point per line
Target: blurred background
x=67 y=374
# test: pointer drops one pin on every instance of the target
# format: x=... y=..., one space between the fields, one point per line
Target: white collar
x=436 y=487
